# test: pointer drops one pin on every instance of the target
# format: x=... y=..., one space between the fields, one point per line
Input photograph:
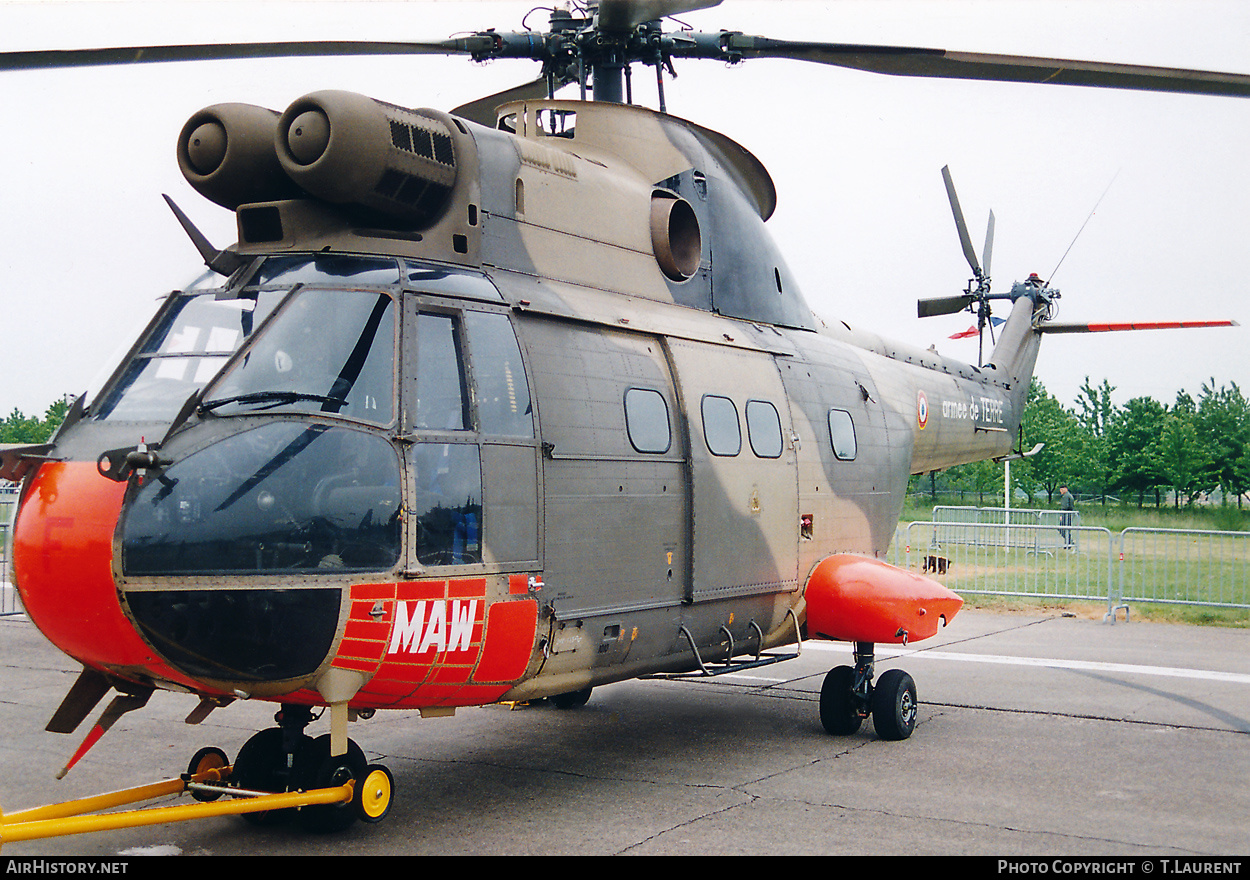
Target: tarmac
x=1038 y=735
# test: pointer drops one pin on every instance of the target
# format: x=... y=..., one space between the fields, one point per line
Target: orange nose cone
x=858 y=599
x=63 y=560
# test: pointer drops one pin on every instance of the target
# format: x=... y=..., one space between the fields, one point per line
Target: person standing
x=1067 y=513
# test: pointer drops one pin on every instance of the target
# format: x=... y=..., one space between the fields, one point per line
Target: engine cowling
x=227 y=153
x=859 y=599
x=352 y=150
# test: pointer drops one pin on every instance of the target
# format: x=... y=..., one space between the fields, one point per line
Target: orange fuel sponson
x=858 y=599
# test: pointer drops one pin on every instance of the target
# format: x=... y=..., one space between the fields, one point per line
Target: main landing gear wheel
x=839 y=705
x=848 y=696
x=894 y=705
x=573 y=700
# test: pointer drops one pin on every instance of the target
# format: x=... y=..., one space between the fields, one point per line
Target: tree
x=1046 y=421
x=1133 y=448
x=1222 y=420
x=978 y=476
x=1095 y=414
x=20 y=428
x=1186 y=461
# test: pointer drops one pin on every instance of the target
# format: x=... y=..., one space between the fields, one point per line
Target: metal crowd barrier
x=1011 y=559
x=1058 y=561
x=1188 y=567
x=1038 y=539
x=9 y=604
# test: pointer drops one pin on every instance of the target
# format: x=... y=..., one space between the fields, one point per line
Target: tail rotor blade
x=960 y=225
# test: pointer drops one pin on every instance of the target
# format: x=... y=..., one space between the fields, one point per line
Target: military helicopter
x=502 y=404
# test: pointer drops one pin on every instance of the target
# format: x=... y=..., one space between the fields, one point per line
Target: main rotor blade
x=482 y=110
x=620 y=16
x=989 y=245
x=56 y=58
x=906 y=61
x=942 y=305
x=969 y=254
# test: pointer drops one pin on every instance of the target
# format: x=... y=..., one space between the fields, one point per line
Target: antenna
x=1082 y=229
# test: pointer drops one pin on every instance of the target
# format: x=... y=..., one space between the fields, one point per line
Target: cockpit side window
x=446 y=505
x=503 y=394
x=442 y=396
x=190 y=341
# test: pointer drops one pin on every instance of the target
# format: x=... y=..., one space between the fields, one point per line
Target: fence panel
x=8 y=595
x=1189 y=567
x=1058 y=534
x=1010 y=559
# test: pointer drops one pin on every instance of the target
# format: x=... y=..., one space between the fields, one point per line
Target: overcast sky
x=87 y=245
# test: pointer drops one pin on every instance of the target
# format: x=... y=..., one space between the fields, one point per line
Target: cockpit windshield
x=330 y=347
x=329 y=351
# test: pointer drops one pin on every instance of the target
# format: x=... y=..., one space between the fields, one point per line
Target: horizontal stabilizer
x=1132 y=325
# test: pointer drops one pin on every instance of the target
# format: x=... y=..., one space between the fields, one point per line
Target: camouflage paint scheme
x=599 y=562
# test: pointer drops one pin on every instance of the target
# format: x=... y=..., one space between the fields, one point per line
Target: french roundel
x=922 y=409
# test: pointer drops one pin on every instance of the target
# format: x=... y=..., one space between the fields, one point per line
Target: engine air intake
x=227 y=153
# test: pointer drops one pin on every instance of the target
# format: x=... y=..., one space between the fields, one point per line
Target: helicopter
x=503 y=403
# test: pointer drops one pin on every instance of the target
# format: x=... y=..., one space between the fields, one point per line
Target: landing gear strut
x=848 y=696
x=284 y=758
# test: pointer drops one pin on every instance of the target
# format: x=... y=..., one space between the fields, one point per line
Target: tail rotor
x=976 y=296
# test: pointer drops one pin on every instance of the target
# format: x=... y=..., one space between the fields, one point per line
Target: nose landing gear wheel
x=894 y=705
x=261 y=766
x=315 y=767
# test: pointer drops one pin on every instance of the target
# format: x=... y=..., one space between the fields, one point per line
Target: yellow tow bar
x=57 y=820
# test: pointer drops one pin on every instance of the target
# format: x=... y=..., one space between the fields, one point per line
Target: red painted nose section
x=857 y=599
x=63 y=559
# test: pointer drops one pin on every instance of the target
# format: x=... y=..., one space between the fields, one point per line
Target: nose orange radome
x=63 y=561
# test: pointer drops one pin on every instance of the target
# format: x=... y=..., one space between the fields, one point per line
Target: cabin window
x=447 y=503
x=646 y=420
x=764 y=429
x=842 y=434
x=721 y=430
x=442 y=398
x=503 y=395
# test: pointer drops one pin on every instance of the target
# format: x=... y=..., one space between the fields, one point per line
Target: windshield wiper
x=270 y=398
